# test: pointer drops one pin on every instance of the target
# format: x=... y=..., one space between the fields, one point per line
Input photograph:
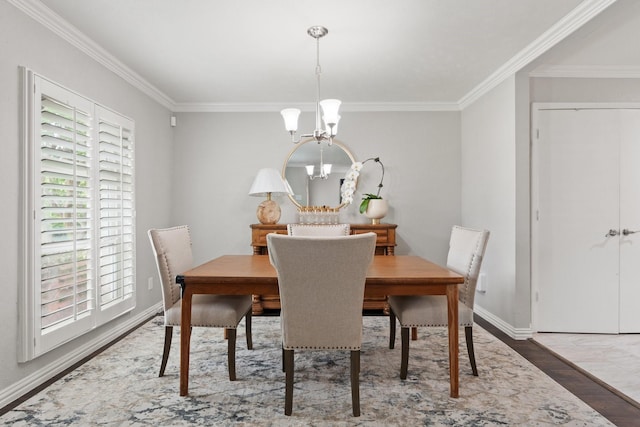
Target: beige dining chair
x=318 y=229
x=172 y=250
x=466 y=250
x=321 y=282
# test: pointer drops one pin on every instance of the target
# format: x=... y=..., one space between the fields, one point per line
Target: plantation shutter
x=116 y=236
x=64 y=218
x=79 y=255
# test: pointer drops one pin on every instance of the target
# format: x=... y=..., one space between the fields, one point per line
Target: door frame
x=536 y=107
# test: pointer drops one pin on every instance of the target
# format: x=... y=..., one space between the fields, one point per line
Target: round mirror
x=315 y=173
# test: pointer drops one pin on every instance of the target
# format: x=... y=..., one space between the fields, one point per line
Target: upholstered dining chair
x=318 y=229
x=172 y=250
x=321 y=282
x=466 y=250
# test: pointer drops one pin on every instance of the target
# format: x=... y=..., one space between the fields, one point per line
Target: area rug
x=121 y=387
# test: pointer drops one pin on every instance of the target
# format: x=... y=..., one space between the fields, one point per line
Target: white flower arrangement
x=349 y=184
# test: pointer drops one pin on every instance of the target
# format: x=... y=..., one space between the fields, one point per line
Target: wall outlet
x=481 y=286
x=150 y=283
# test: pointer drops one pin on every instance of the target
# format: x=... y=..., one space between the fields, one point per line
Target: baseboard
x=514 y=333
x=44 y=374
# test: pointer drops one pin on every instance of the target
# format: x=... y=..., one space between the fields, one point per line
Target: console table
x=385 y=245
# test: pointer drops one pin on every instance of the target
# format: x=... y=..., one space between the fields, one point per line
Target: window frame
x=68 y=154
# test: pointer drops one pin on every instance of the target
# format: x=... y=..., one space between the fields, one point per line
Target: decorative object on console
x=373 y=206
x=377 y=209
x=318 y=215
x=267 y=182
x=348 y=186
x=329 y=106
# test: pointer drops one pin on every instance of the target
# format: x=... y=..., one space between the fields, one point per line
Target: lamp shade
x=267 y=181
x=330 y=109
x=290 y=116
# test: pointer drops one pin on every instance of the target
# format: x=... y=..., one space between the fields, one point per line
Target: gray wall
x=488 y=192
x=24 y=42
x=217 y=156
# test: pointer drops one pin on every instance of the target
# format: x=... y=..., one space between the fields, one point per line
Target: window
x=79 y=257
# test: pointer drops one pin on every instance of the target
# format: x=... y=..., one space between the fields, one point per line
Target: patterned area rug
x=120 y=387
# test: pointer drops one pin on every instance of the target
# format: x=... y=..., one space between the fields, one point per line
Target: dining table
x=254 y=274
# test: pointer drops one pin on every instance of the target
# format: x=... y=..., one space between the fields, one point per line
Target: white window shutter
x=116 y=222
x=65 y=294
x=79 y=256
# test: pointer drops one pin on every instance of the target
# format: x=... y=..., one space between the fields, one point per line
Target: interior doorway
x=585 y=212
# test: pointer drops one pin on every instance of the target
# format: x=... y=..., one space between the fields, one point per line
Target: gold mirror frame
x=338 y=170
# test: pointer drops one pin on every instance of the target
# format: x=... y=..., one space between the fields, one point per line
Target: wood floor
x=598 y=396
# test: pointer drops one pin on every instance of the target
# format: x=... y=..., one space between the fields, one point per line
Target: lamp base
x=268 y=212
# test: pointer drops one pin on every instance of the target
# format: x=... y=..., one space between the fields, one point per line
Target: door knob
x=626 y=231
x=612 y=233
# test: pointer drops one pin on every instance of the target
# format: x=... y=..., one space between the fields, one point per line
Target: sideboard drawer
x=382 y=238
x=260 y=236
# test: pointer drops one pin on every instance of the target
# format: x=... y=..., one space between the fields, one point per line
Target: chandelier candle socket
x=329 y=107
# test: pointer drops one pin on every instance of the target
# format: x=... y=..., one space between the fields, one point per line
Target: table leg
x=452 y=312
x=185 y=342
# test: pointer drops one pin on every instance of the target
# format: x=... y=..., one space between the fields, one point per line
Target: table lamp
x=267 y=182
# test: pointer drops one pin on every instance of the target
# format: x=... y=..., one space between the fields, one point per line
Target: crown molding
x=559 y=31
x=234 y=107
x=588 y=71
x=45 y=16
x=572 y=21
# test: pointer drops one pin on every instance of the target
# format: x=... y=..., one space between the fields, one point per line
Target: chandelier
x=329 y=106
x=325 y=169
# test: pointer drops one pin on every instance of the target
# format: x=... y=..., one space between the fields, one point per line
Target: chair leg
x=231 y=353
x=392 y=329
x=168 y=334
x=288 y=391
x=355 y=382
x=404 y=362
x=468 y=334
x=247 y=325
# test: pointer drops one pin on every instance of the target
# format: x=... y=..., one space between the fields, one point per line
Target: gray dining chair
x=466 y=251
x=318 y=229
x=172 y=250
x=321 y=282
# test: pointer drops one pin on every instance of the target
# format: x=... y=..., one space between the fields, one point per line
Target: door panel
x=578 y=202
x=630 y=219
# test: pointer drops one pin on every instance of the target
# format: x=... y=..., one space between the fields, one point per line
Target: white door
x=585 y=272
x=630 y=221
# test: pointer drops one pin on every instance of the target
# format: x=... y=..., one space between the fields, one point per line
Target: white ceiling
x=212 y=54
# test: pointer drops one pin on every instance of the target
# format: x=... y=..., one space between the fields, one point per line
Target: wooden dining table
x=254 y=274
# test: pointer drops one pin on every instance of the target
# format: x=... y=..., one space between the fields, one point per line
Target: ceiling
x=204 y=54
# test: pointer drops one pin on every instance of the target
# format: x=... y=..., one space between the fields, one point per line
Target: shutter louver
x=116 y=212
x=66 y=289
